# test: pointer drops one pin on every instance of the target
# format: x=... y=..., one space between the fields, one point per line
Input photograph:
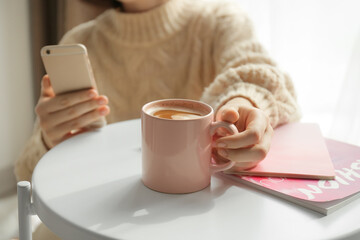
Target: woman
x=147 y=50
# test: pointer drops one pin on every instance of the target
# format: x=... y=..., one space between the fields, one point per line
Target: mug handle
x=233 y=130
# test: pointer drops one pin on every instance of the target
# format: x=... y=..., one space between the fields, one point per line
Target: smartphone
x=69 y=70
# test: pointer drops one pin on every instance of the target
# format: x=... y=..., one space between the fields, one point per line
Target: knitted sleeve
x=244 y=69
x=33 y=151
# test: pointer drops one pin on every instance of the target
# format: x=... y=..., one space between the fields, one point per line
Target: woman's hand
x=59 y=115
x=248 y=147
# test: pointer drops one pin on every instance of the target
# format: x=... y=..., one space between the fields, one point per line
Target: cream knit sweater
x=183 y=49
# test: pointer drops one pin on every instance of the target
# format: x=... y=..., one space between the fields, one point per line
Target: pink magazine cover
x=298 y=150
x=319 y=195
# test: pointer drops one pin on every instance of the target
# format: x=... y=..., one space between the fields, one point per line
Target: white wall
x=16 y=88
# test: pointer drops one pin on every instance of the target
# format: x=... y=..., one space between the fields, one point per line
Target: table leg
x=25 y=210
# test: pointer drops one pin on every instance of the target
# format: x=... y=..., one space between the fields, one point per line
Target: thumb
x=46 y=88
x=227 y=113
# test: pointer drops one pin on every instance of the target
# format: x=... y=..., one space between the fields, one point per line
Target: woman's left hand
x=248 y=147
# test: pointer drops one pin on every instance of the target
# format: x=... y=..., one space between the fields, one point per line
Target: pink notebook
x=324 y=196
x=298 y=150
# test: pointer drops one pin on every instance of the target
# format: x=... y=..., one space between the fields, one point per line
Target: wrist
x=44 y=141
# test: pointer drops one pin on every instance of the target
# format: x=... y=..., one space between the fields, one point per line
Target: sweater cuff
x=34 y=150
x=39 y=150
x=259 y=97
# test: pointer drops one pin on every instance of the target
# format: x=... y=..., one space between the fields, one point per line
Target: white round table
x=89 y=187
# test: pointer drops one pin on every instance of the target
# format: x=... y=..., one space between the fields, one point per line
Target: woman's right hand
x=59 y=115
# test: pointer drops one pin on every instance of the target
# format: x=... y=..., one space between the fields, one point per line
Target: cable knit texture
x=203 y=50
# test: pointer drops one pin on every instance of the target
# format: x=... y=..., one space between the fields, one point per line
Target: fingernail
x=103 y=112
x=221 y=145
x=223 y=152
x=92 y=94
x=101 y=101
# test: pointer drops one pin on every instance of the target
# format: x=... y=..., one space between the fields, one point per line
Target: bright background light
x=314 y=41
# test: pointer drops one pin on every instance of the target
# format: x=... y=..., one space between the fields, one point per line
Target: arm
x=249 y=90
x=52 y=111
x=57 y=116
x=244 y=69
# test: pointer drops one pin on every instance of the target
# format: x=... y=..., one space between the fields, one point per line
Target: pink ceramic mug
x=177 y=154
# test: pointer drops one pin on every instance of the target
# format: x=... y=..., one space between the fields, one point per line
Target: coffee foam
x=181 y=116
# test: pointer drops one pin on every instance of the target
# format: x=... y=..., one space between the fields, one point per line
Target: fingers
x=61 y=132
x=249 y=157
x=255 y=124
x=59 y=115
x=243 y=139
x=251 y=145
x=84 y=119
x=228 y=114
x=67 y=100
x=76 y=111
x=46 y=89
x=229 y=111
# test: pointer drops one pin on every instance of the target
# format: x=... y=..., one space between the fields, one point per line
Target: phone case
x=69 y=69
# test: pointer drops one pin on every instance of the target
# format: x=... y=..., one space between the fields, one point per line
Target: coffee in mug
x=177 y=145
x=176 y=113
